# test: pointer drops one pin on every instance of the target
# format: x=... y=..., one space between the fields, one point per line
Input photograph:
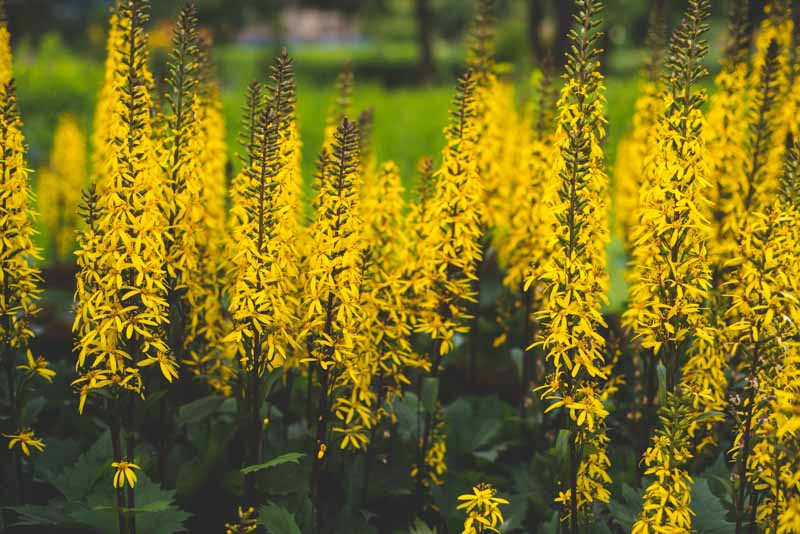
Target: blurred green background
x=59 y=51
x=405 y=54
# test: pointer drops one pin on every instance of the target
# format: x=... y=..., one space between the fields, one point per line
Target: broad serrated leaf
x=156 y=512
x=278 y=520
x=710 y=514
x=51 y=515
x=293 y=457
x=78 y=479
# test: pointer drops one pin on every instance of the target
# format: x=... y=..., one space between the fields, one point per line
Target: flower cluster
x=575 y=279
x=482 y=509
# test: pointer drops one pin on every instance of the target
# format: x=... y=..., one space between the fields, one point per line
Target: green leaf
x=278 y=520
x=156 y=510
x=199 y=409
x=661 y=371
x=430 y=393
x=39 y=515
x=562 y=445
x=78 y=479
x=710 y=514
x=626 y=513
x=293 y=457
x=30 y=410
x=420 y=527
x=407 y=417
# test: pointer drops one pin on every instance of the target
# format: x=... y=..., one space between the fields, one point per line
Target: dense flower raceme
x=575 y=277
x=20 y=280
x=385 y=301
x=362 y=303
x=332 y=291
x=121 y=307
x=207 y=324
x=179 y=151
x=763 y=314
x=60 y=184
x=448 y=255
x=672 y=278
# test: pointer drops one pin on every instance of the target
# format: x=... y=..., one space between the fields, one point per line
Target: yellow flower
x=37 y=366
x=482 y=508
x=25 y=440
x=167 y=365
x=125 y=474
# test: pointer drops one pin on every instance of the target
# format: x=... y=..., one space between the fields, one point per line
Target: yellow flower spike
x=121 y=288
x=572 y=281
x=17 y=252
x=59 y=186
x=125 y=474
x=264 y=268
x=25 y=440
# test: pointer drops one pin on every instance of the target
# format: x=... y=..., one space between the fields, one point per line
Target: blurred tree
x=427 y=68
x=536 y=13
x=32 y=19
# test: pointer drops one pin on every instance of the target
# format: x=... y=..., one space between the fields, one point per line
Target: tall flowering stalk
x=207 y=356
x=121 y=308
x=575 y=276
x=726 y=132
x=762 y=314
x=105 y=103
x=725 y=138
x=386 y=303
x=776 y=449
x=525 y=253
x=60 y=184
x=264 y=268
x=19 y=278
x=634 y=150
x=180 y=152
x=672 y=275
x=332 y=295
x=449 y=256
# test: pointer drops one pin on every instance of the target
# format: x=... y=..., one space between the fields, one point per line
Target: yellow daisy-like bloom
x=125 y=474
x=483 y=510
x=166 y=364
x=38 y=367
x=25 y=440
